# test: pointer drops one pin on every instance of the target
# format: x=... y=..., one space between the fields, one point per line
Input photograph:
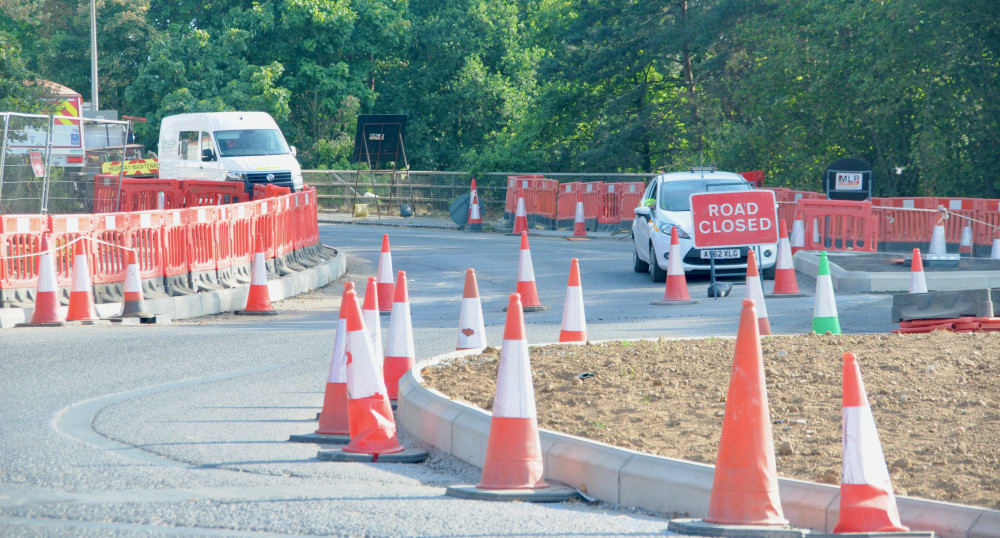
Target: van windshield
x=676 y=195
x=245 y=142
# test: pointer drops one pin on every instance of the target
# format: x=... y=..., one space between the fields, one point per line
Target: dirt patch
x=934 y=397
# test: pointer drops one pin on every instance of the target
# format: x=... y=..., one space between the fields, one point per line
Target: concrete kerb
x=625 y=477
x=807 y=263
x=216 y=301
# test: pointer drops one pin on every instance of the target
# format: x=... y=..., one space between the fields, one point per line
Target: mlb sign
x=731 y=219
x=848 y=181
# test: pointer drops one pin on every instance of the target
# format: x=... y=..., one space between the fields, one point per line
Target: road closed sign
x=731 y=219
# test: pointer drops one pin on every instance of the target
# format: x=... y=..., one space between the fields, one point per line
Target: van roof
x=226 y=120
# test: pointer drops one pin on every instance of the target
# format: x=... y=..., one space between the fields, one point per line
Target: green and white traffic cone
x=825 y=306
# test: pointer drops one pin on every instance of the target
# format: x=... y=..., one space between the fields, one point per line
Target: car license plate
x=721 y=254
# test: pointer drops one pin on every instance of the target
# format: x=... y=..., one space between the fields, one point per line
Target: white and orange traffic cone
x=867 y=504
x=372 y=428
x=471 y=328
x=526 y=279
x=81 y=294
x=918 y=281
x=520 y=215
x=384 y=277
x=755 y=292
x=574 y=322
x=513 y=458
x=798 y=241
x=373 y=322
x=399 y=353
x=46 y=311
x=333 y=421
x=995 y=251
x=475 y=219
x=785 y=284
x=676 y=291
x=938 y=244
x=133 y=303
x=965 y=246
x=258 y=299
x=580 y=219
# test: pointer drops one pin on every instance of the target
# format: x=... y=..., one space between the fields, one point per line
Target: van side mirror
x=642 y=211
x=207 y=155
x=293 y=150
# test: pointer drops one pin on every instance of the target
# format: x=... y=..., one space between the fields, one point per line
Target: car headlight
x=667 y=228
x=236 y=176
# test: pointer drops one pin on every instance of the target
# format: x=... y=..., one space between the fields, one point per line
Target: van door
x=197 y=155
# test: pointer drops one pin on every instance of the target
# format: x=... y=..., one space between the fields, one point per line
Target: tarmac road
x=181 y=429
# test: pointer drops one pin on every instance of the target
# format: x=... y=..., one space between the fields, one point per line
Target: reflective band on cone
x=373 y=323
x=995 y=252
x=798 y=236
x=965 y=247
x=574 y=323
x=676 y=291
x=755 y=292
x=399 y=354
x=918 y=281
x=867 y=503
x=520 y=216
x=333 y=417
x=384 y=277
x=745 y=483
x=825 y=305
x=81 y=296
x=784 y=268
x=526 y=278
x=134 y=303
x=258 y=299
x=580 y=220
x=475 y=220
x=471 y=328
x=46 y=309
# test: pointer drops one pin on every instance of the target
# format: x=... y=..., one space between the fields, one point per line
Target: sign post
x=732 y=219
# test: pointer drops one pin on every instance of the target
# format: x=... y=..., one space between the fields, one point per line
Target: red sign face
x=37 y=166
x=732 y=219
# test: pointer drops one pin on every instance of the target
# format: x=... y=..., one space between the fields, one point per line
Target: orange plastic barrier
x=840 y=225
x=203 y=193
x=513 y=184
x=566 y=208
x=20 y=235
x=173 y=239
x=203 y=243
x=138 y=194
x=610 y=203
x=65 y=229
x=110 y=258
x=543 y=212
x=754 y=176
x=312 y=216
x=630 y=198
x=105 y=193
x=263 y=225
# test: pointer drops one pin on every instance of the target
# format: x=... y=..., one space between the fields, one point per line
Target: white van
x=227 y=146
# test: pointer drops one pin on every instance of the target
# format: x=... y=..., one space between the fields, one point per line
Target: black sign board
x=848 y=179
x=379 y=139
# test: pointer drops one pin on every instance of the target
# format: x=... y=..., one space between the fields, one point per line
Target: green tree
x=15 y=95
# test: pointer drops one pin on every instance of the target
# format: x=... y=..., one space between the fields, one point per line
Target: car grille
x=281 y=179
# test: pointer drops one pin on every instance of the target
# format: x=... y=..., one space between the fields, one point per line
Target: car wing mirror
x=642 y=211
x=207 y=155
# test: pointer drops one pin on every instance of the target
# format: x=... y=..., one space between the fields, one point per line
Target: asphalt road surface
x=181 y=429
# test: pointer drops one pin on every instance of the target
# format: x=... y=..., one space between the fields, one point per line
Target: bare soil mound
x=934 y=397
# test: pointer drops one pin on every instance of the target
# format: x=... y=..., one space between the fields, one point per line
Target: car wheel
x=657 y=274
x=638 y=265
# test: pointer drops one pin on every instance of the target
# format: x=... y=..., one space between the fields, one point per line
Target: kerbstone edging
x=629 y=478
x=216 y=301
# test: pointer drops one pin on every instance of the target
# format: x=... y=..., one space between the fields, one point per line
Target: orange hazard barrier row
x=838 y=225
x=178 y=251
x=145 y=194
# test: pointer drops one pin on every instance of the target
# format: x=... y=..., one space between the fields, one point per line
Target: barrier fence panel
x=111 y=231
x=839 y=225
x=903 y=230
x=631 y=197
x=985 y=232
x=174 y=237
x=64 y=230
x=204 y=192
x=546 y=192
x=610 y=203
x=566 y=205
x=203 y=246
x=312 y=216
x=138 y=194
x=20 y=238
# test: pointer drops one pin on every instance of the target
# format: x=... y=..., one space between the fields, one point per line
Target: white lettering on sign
x=376 y=136
x=730 y=219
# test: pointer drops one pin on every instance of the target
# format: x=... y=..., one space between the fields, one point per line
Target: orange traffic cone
x=867 y=503
x=784 y=269
x=133 y=304
x=745 y=486
x=372 y=320
x=798 y=235
x=755 y=292
x=965 y=246
x=385 y=286
x=520 y=216
x=918 y=282
x=475 y=219
x=333 y=421
x=526 y=278
x=258 y=299
x=580 y=220
x=372 y=428
x=81 y=296
x=399 y=354
x=676 y=290
x=938 y=243
x=471 y=328
x=574 y=323
x=46 y=311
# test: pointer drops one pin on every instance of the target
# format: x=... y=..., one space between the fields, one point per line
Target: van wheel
x=638 y=265
x=655 y=273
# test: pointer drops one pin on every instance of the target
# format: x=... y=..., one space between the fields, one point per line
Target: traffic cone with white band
x=520 y=216
x=784 y=268
x=526 y=278
x=965 y=247
x=399 y=353
x=580 y=219
x=798 y=235
x=258 y=299
x=385 y=285
x=471 y=328
x=867 y=503
x=938 y=244
x=81 y=295
x=372 y=428
x=46 y=311
x=918 y=282
x=475 y=219
x=333 y=421
x=995 y=252
x=574 y=323
x=755 y=292
x=133 y=304
x=676 y=291
x=825 y=317
x=373 y=323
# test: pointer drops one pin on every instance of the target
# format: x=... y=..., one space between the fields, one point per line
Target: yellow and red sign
x=144 y=167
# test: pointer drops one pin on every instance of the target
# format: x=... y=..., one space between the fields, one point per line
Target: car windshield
x=244 y=142
x=675 y=195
